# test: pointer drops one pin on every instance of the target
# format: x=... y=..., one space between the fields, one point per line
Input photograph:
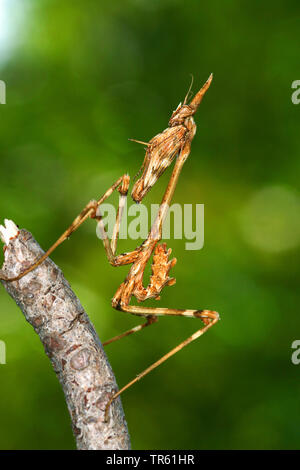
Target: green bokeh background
x=82 y=78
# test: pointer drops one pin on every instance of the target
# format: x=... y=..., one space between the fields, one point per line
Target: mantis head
x=163 y=148
x=184 y=110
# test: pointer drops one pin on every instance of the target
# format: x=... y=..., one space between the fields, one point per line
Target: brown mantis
x=175 y=141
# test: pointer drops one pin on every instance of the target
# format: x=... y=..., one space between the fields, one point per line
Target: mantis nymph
x=174 y=143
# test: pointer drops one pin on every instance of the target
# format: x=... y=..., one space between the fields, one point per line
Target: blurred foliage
x=82 y=78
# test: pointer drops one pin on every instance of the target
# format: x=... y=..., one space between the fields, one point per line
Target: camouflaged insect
x=174 y=143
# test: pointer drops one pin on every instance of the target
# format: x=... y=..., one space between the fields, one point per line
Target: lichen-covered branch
x=70 y=341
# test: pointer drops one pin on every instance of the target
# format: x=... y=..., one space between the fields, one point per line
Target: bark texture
x=71 y=343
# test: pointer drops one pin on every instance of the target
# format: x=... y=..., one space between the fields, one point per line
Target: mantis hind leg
x=208 y=317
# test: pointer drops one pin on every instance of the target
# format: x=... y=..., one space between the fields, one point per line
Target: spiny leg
x=88 y=211
x=123 y=190
x=208 y=317
x=111 y=247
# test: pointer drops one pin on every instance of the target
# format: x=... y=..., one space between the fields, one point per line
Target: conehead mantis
x=174 y=143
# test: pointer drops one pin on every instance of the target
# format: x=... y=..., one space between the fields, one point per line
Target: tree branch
x=70 y=341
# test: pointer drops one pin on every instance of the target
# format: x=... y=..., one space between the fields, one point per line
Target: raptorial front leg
x=111 y=246
x=208 y=317
x=123 y=190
